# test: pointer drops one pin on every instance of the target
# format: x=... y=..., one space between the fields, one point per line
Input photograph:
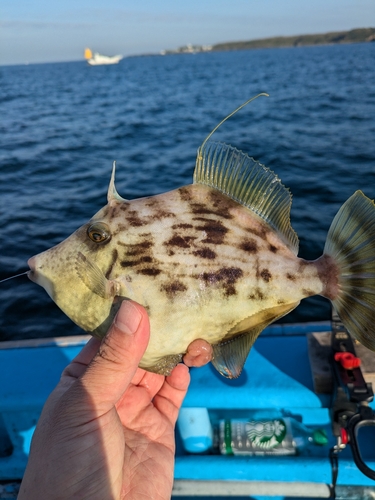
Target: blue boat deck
x=277 y=378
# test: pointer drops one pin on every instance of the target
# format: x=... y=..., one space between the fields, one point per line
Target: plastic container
x=195 y=429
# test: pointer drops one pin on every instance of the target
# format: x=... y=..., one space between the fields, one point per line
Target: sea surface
x=62 y=125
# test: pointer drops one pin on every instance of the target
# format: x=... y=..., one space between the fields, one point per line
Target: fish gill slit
x=112 y=264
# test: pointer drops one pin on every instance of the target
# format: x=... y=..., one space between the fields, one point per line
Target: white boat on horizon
x=96 y=59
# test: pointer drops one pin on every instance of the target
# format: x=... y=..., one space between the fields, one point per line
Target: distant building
x=188 y=49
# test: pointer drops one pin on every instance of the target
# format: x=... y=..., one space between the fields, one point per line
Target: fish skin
x=203 y=266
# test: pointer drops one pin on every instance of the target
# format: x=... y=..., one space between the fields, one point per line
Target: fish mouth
x=32 y=274
x=39 y=278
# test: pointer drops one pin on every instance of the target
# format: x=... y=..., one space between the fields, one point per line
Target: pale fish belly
x=205 y=267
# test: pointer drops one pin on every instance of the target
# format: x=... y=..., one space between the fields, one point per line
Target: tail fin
x=351 y=243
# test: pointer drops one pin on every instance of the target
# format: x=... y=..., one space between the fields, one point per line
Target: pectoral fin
x=94 y=278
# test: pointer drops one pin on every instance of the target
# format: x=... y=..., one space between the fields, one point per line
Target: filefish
x=213 y=260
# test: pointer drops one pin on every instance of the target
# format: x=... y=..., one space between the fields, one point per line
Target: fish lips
x=38 y=278
x=32 y=273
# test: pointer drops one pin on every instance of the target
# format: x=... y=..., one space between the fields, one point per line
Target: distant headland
x=359 y=35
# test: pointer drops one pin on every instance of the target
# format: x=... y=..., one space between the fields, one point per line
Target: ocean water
x=62 y=125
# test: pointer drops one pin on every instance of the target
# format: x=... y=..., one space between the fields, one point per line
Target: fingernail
x=128 y=318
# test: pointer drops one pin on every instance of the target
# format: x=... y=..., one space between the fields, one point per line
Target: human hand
x=107 y=430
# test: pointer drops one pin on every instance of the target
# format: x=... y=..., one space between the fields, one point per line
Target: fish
x=215 y=260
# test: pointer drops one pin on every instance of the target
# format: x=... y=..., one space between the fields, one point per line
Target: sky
x=37 y=31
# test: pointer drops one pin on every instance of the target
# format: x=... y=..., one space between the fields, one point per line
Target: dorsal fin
x=112 y=192
x=248 y=182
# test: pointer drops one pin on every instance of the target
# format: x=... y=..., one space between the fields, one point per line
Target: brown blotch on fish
x=203 y=219
x=272 y=248
x=222 y=204
x=179 y=241
x=200 y=208
x=141 y=260
x=182 y=226
x=184 y=193
x=215 y=232
x=162 y=214
x=308 y=293
x=146 y=258
x=290 y=277
x=230 y=290
x=257 y=295
x=249 y=246
x=261 y=233
x=149 y=271
x=227 y=274
x=134 y=220
x=119 y=229
x=148 y=308
x=173 y=288
x=151 y=202
x=138 y=248
x=205 y=253
x=111 y=210
x=128 y=263
x=266 y=275
x=217 y=198
x=114 y=210
x=226 y=277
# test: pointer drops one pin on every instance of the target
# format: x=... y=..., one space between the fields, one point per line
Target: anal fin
x=230 y=356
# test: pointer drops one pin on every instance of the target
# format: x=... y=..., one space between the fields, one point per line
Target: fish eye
x=99 y=232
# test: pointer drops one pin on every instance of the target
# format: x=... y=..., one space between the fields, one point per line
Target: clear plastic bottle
x=277 y=436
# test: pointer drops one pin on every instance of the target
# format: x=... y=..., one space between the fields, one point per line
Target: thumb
x=113 y=367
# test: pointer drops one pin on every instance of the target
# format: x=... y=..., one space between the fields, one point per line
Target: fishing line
x=16 y=276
